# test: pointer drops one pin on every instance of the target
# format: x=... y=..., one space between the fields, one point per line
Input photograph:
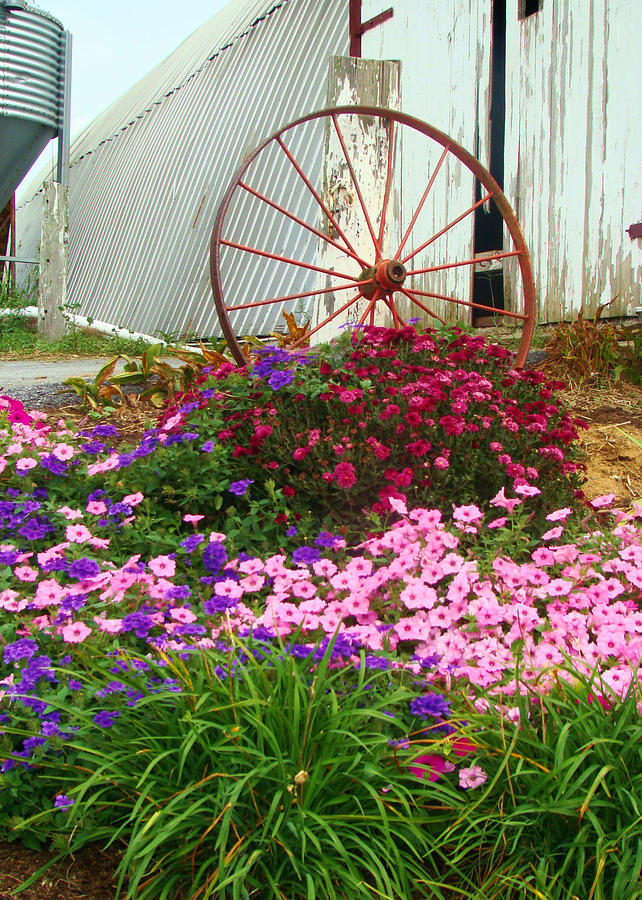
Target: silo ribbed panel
x=148 y=175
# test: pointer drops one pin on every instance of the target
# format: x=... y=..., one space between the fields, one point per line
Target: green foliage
x=560 y=815
x=99 y=393
x=266 y=773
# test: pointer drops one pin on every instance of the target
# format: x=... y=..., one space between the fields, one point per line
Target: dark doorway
x=488 y=287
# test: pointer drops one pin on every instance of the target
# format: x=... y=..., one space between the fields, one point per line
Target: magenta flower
x=344 y=474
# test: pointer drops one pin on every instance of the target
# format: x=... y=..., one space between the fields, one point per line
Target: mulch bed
x=88 y=875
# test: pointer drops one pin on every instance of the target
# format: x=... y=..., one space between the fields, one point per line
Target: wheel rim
x=368 y=280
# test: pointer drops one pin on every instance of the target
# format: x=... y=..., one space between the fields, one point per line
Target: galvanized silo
x=34 y=82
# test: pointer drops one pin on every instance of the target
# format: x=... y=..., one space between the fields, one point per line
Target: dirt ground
x=613 y=455
x=612 y=443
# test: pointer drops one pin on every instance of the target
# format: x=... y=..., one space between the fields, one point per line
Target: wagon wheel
x=267 y=247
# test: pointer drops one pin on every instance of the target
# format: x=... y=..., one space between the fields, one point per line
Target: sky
x=116 y=42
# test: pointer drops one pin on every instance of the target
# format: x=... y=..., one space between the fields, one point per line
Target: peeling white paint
x=573 y=147
x=370 y=83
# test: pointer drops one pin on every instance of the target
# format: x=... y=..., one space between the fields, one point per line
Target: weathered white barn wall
x=573 y=155
x=573 y=151
x=445 y=80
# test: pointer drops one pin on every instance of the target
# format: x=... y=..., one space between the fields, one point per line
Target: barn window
x=529 y=7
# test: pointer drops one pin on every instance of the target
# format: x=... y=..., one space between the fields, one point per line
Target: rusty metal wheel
x=376 y=235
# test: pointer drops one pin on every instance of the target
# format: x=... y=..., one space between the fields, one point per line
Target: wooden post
x=364 y=82
x=52 y=290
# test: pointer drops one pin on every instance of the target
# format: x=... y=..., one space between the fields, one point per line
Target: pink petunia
x=467 y=514
x=25 y=573
x=25 y=463
x=134 y=499
x=182 y=614
x=63 y=452
x=48 y=593
x=472 y=777
x=526 y=490
x=77 y=534
x=601 y=502
x=398 y=505
x=75 y=632
x=558 y=515
x=253 y=582
x=162 y=566
x=304 y=590
x=509 y=504
x=109 y=626
x=70 y=514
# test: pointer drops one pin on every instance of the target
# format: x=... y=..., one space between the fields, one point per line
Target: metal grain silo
x=34 y=78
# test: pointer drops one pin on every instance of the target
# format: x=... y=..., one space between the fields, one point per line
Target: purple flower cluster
x=430 y=705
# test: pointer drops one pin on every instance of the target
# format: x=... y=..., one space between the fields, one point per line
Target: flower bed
x=403 y=511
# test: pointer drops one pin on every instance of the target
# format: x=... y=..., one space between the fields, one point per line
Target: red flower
x=344 y=474
x=413 y=418
x=288 y=491
x=419 y=448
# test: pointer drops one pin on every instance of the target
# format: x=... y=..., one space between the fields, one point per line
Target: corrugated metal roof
x=147 y=175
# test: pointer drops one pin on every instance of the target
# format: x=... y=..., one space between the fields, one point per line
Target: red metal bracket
x=635 y=231
x=359 y=28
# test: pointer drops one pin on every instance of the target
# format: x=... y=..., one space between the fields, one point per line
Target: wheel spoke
x=329 y=318
x=316 y=196
x=448 y=227
x=370 y=308
x=411 y=296
x=392 y=306
x=386 y=194
x=286 y=259
x=421 y=202
x=353 y=175
x=464 y=262
x=473 y=305
x=329 y=290
x=299 y=221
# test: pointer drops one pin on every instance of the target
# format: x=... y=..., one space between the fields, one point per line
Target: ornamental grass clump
x=323 y=440
x=252 y=770
x=557 y=814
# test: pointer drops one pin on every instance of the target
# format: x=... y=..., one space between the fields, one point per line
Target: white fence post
x=52 y=291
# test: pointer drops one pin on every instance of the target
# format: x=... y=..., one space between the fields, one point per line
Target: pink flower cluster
x=31 y=439
x=416 y=590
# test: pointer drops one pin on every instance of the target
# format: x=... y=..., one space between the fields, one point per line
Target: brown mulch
x=613 y=446
x=131 y=421
x=88 y=875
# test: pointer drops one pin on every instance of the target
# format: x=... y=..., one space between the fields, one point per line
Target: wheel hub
x=386 y=276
